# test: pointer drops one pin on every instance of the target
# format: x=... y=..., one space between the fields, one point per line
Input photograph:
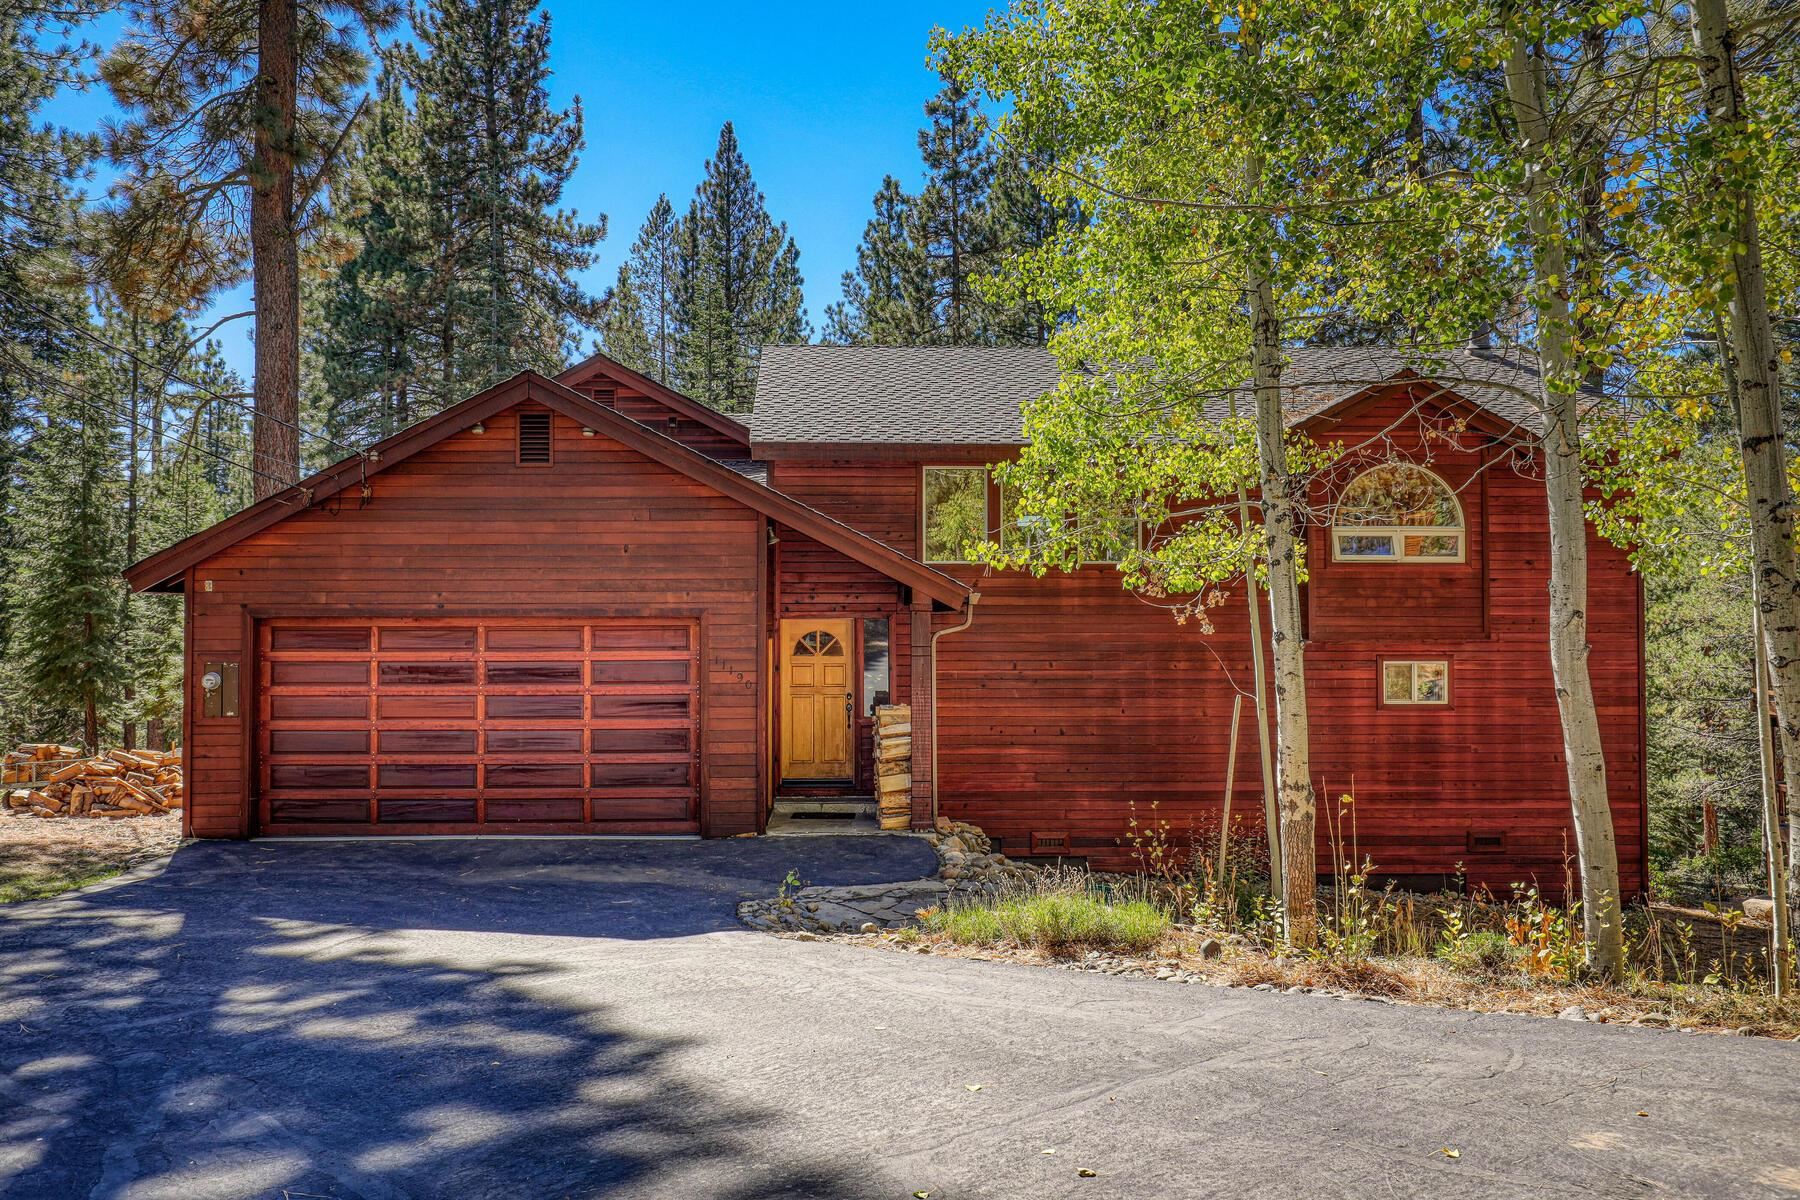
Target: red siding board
x=460 y=530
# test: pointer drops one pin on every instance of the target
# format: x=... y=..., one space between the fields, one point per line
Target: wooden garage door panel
x=458 y=725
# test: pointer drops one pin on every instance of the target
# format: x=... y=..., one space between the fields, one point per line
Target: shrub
x=1058 y=923
x=1484 y=952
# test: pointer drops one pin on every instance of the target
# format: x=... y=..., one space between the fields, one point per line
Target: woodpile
x=55 y=781
x=893 y=765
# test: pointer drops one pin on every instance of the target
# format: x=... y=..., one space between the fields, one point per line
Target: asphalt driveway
x=542 y=1019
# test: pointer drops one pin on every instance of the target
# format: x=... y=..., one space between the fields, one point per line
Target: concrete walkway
x=531 y=1019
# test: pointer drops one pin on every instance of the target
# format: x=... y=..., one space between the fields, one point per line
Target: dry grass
x=40 y=858
x=1412 y=980
x=1477 y=953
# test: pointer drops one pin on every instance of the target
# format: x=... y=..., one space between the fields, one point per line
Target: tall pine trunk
x=1595 y=845
x=1752 y=357
x=275 y=252
x=1281 y=529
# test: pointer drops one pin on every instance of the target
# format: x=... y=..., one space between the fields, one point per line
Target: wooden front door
x=817 y=700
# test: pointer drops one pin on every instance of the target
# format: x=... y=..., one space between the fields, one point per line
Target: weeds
x=1058 y=920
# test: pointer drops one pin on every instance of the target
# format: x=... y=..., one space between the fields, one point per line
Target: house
x=592 y=605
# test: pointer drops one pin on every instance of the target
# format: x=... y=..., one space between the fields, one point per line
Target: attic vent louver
x=534 y=437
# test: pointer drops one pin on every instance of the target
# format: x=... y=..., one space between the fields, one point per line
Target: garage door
x=446 y=726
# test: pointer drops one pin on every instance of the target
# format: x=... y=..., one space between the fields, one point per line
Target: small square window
x=1415 y=682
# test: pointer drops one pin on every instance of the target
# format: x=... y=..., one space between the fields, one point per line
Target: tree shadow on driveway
x=341 y=1021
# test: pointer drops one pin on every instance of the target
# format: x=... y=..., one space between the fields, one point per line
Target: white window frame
x=1396 y=535
x=925 y=516
x=1412 y=700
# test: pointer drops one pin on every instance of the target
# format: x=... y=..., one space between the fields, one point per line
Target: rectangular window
x=1397 y=545
x=1105 y=541
x=876 y=669
x=1415 y=682
x=955 y=500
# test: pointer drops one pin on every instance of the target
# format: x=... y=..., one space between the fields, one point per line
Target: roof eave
x=162 y=570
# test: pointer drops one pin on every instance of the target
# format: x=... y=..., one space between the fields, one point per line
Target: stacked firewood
x=893 y=765
x=55 y=781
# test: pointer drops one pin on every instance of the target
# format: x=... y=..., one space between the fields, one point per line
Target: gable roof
x=921 y=395
x=599 y=364
x=1499 y=380
x=160 y=570
x=973 y=395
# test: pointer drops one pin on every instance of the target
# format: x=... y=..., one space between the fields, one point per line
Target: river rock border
x=967 y=865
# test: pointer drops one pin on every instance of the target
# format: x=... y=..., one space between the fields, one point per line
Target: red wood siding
x=1070 y=706
x=811 y=580
x=459 y=530
x=647 y=410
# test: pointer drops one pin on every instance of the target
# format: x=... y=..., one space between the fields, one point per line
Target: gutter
x=968 y=620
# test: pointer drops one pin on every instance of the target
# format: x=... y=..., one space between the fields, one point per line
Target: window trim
x=1448 y=662
x=987 y=511
x=1397 y=534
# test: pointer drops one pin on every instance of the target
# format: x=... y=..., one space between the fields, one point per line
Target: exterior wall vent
x=1049 y=843
x=1486 y=843
x=534 y=439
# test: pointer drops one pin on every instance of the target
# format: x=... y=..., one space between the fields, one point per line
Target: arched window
x=1397 y=512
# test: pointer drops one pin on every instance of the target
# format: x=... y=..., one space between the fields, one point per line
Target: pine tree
x=622 y=331
x=63 y=659
x=739 y=284
x=234 y=111
x=498 y=156
x=888 y=298
x=370 y=341
x=1023 y=220
x=951 y=222
x=641 y=329
x=40 y=310
x=930 y=266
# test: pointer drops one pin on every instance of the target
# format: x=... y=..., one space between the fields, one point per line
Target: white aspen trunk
x=1259 y=677
x=1751 y=356
x=1281 y=518
x=1595 y=844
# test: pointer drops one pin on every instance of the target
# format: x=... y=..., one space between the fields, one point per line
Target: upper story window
x=955 y=512
x=1103 y=539
x=1398 y=512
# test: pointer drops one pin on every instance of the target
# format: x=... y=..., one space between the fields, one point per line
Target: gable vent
x=607 y=396
x=534 y=437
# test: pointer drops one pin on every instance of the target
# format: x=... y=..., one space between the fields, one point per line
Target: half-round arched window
x=1397 y=512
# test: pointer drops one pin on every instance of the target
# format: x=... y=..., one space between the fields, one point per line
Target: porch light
x=478 y=427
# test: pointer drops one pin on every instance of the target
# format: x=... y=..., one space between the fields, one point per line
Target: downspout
x=968 y=620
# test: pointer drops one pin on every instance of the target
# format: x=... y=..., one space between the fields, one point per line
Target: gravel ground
x=40 y=857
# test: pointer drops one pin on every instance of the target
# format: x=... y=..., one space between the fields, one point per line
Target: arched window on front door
x=1398 y=512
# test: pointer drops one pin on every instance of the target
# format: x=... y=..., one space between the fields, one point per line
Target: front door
x=817 y=700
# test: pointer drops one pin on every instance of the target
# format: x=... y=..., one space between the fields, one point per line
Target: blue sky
x=826 y=97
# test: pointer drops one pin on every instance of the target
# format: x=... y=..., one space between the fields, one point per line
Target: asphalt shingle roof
x=972 y=395
x=897 y=394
